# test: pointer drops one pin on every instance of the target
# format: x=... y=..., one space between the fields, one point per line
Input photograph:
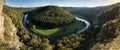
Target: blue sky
x=65 y=3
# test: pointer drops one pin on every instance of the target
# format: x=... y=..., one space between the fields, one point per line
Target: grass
x=60 y=31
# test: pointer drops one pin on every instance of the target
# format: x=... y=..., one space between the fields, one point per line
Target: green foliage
x=33 y=27
x=59 y=31
x=69 y=43
x=50 y=16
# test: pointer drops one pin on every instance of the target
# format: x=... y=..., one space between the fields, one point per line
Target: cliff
x=1 y=6
x=2 y=29
x=8 y=38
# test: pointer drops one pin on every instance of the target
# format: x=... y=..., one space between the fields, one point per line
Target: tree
x=34 y=27
x=45 y=40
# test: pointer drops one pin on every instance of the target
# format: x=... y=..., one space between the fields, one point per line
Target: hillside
x=53 y=21
x=109 y=14
x=87 y=12
x=110 y=28
x=50 y=16
x=8 y=37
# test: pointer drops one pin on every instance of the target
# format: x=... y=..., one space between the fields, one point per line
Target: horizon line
x=62 y=6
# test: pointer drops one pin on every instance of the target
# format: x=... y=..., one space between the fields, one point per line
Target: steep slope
x=8 y=37
x=110 y=31
x=2 y=29
x=110 y=13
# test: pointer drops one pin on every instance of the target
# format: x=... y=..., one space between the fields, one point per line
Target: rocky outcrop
x=2 y=29
x=1 y=6
x=1 y=26
x=8 y=38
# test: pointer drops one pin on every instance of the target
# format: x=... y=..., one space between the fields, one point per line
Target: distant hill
x=87 y=12
x=50 y=16
x=110 y=13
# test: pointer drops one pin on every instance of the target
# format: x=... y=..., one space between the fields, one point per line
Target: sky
x=63 y=3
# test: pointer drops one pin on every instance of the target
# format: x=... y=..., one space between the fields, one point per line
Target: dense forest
x=103 y=36
x=50 y=16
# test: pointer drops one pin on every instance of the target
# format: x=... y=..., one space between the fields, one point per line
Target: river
x=68 y=36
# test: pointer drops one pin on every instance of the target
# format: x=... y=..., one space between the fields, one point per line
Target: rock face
x=2 y=29
x=1 y=6
x=1 y=26
x=7 y=32
x=10 y=36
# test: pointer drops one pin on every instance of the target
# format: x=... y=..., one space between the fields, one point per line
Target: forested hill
x=50 y=16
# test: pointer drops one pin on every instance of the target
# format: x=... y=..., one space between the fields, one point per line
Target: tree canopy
x=50 y=16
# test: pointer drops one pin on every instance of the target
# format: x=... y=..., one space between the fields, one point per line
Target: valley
x=57 y=31
x=60 y=28
x=57 y=36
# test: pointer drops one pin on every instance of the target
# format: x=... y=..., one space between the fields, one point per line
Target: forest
x=50 y=16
